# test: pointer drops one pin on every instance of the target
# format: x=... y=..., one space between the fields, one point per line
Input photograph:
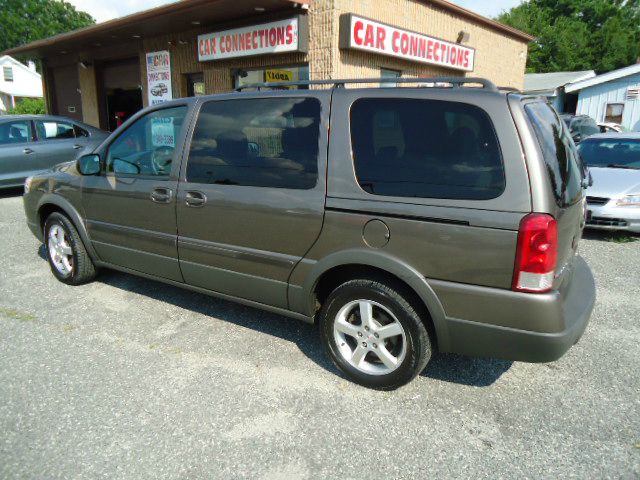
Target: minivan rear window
x=560 y=155
x=426 y=149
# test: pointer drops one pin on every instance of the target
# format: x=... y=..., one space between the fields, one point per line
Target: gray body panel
x=270 y=247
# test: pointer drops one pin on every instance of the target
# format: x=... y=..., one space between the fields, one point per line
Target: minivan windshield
x=611 y=152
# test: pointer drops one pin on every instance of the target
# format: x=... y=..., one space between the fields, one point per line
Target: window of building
x=15 y=132
x=275 y=74
x=148 y=146
x=425 y=149
x=7 y=73
x=559 y=152
x=54 y=130
x=266 y=142
x=195 y=85
x=613 y=113
x=390 y=74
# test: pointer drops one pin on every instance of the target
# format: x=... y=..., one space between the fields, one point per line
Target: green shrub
x=28 y=106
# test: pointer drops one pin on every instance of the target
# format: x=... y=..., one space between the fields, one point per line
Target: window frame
x=180 y=142
x=606 y=107
x=31 y=139
x=407 y=198
x=273 y=94
x=10 y=77
x=55 y=139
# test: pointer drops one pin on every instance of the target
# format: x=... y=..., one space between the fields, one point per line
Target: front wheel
x=67 y=255
x=374 y=334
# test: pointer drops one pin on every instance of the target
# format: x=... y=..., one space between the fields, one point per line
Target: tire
x=343 y=332
x=68 y=258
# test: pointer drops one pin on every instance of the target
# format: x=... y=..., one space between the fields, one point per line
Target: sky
x=103 y=10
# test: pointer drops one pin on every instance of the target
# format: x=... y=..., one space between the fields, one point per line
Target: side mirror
x=89 y=164
x=576 y=138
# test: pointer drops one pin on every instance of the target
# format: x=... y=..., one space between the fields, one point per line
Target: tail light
x=537 y=254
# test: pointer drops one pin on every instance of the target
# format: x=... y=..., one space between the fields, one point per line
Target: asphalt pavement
x=132 y=379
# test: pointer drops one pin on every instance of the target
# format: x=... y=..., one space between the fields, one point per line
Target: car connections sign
x=275 y=37
x=359 y=33
x=159 y=77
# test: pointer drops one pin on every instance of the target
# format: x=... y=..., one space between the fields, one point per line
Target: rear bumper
x=525 y=327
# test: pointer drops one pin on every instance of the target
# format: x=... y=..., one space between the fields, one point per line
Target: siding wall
x=592 y=101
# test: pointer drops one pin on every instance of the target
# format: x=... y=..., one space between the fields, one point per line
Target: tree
x=578 y=34
x=23 y=21
x=28 y=106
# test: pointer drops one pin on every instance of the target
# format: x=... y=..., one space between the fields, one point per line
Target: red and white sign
x=274 y=37
x=363 y=34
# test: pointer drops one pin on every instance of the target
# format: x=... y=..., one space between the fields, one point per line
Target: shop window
x=8 y=74
x=195 y=85
x=265 y=142
x=391 y=75
x=613 y=113
x=425 y=149
x=275 y=74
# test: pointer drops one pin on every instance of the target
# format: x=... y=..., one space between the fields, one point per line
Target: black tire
x=400 y=303
x=82 y=270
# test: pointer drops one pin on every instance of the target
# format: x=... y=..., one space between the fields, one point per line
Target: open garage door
x=121 y=87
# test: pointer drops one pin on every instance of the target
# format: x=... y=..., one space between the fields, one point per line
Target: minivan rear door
x=565 y=174
x=252 y=192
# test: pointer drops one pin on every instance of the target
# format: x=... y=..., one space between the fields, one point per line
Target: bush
x=28 y=106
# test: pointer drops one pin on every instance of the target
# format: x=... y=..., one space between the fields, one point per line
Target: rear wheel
x=67 y=255
x=374 y=335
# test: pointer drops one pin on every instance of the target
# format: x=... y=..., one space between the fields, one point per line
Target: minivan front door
x=252 y=201
x=131 y=208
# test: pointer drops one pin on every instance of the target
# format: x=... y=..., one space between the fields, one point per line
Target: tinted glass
x=588 y=127
x=80 y=132
x=560 y=155
x=15 y=132
x=425 y=148
x=611 y=152
x=148 y=147
x=54 y=130
x=266 y=142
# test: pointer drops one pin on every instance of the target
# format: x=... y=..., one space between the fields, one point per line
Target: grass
x=14 y=314
x=621 y=238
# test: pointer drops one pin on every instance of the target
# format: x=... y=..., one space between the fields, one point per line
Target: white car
x=613 y=200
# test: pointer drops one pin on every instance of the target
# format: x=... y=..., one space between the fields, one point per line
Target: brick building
x=104 y=73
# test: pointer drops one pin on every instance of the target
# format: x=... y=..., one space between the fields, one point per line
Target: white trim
x=605 y=77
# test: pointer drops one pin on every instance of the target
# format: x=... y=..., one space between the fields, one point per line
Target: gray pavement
x=128 y=378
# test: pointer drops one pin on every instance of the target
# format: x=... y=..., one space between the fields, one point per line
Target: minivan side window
x=148 y=146
x=560 y=155
x=260 y=142
x=426 y=149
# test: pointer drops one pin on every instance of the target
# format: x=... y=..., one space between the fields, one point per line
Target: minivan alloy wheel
x=60 y=249
x=370 y=337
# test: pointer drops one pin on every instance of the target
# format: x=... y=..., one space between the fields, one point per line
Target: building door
x=66 y=92
x=121 y=84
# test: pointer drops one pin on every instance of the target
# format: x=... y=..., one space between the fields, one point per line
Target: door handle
x=77 y=147
x=161 y=195
x=195 y=199
x=27 y=151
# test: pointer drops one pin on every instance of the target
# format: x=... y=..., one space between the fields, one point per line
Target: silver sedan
x=31 y=143
x=613 y=201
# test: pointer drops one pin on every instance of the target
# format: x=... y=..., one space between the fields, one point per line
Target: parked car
x=610 y=127
x=613 y=201
x=159 y=90
x=30 y=143
x=425 y=219
x=580 y=126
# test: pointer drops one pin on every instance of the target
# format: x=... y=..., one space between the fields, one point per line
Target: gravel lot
x=127 y=378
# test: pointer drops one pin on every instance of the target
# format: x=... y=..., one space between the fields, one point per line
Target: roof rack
x=455 y=82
